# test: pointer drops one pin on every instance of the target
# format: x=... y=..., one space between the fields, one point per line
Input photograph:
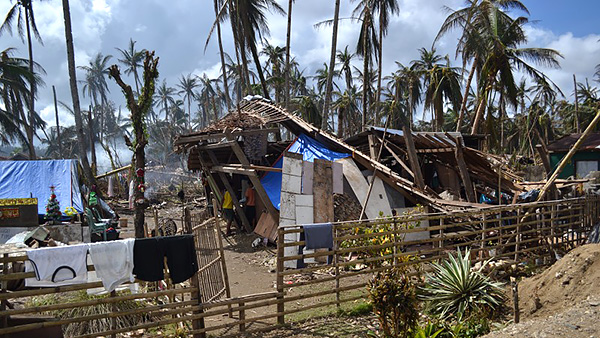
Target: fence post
x=4 y=289
x=483 y=236
x=280 y=298
x=197 y=324
x=337 y=268
x=242 y=316
x=441 y=241
x=518 y=235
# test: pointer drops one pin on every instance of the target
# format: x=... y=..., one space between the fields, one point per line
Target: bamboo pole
x=567 y=158
x=280 y=256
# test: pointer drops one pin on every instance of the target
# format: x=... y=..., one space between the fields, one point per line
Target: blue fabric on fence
x=310 y=149
x=24 y=179
x=318 y=236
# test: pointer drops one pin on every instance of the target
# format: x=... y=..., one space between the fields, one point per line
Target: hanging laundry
x=56 y=266
x=113 y=262
x=318 y=236
x=149 y=253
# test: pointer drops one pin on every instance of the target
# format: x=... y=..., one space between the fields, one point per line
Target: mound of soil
x=571 y=280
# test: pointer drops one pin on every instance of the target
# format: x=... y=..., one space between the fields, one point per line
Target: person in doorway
x=250 y=209
x=228 y=211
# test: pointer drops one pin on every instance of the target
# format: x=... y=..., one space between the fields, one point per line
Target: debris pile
x=570 y=280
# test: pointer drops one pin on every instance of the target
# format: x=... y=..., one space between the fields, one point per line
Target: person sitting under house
x=228 y=211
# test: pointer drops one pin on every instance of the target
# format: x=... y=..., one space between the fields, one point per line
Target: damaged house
x=303 y=175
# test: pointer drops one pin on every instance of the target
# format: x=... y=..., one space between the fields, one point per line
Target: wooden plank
x=197 y=138
x=260 y=190
x=463 y=171
x=389 y=149
x=412 y=158
x=322 y=191
x=236 y=203
x=233 y=170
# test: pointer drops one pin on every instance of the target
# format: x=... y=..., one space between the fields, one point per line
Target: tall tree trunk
x=481 y=107
x=463 y=106
x=139 y=108
x=379 y=60
x=366 y=81
x=577 y=124
x=263 y=82
x=287 y=55
x=221 y=53
x=92 y=142
x=60 y=150
x=75 y=95
x=30 y=125
x=329 y=84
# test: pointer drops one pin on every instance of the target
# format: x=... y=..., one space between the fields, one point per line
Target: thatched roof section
x=237 y=119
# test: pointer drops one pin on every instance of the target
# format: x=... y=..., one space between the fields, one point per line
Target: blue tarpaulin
x=310 y=149
x=24 y=179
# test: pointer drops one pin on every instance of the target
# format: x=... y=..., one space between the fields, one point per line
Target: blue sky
x=177 y=30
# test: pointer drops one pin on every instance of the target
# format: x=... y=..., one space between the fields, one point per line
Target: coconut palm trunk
x=29 y=127
x=287 y=54
x=329 y=85
x=75 y=94
x=221 y=53
x=463 y=106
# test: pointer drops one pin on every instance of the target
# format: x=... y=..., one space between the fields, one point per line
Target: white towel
x=113 y=262
x=56 y=266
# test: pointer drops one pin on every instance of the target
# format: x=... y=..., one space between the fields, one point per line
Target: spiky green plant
x=455 y=291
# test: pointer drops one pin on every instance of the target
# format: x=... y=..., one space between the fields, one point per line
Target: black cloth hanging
x=149 y=253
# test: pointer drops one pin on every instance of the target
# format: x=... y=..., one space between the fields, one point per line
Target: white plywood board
x=338 y=177
x=359 y=185
x=415 y=236
x=287 y=208
x=304 y=215
x=290 y=183
x=304 y=200
x=379 y=198
x=307 y=177
x=290 y=250
x=291 y=166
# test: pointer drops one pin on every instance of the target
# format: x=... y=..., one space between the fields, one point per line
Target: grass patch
x=360 y=309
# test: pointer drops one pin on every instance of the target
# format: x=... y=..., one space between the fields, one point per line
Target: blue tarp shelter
x=24 y=179
x=310 y=149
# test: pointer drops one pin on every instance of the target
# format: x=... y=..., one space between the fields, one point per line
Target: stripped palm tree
x=187 y=85
x=22 y=12
x=164 y=96
x=132 y=59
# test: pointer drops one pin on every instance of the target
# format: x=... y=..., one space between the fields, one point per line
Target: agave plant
x=455 y=291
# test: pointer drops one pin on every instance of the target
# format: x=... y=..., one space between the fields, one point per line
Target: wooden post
x=372 y=145
x=4 y=289
x=567 y=158
x=483 y=236
x=515 y=291
x=464 y=172
x=441 y=237
x=197 y=324
x=323 y=191
x=236 y=203
x=545 y=160
x=280 y=297
x=518 y=236
x=337 y=268
x=412 y=157
x=500 y=184
x=155 y=211
x=242 y=326
x=113 y=320
x=222 y=255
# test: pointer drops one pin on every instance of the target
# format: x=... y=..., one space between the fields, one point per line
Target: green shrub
x=394 y=299
x=455 y=291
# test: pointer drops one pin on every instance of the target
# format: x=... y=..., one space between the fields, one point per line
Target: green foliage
x=359 y=309
x=430 y=330
x=455 y=291
x=394 y=299
x=381 y=232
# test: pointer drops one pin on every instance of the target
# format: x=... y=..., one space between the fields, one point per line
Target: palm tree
x=23 y=10
x=405 y=84
x=14 y=91
x=503 y=56
x=275 y=61
x=164 y=95
x=75 y=94
x=471 y=46
x=218 y=4
x=345 y=60
x=132 y=60
x=385 y=8
x=287 y=53
x=329 y=83
x=367 y=44
x=186 y=85
x=208 y=98
x=250 y=26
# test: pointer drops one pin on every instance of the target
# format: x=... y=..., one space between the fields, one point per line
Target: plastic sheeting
x=24 y=179
x=310 y=149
